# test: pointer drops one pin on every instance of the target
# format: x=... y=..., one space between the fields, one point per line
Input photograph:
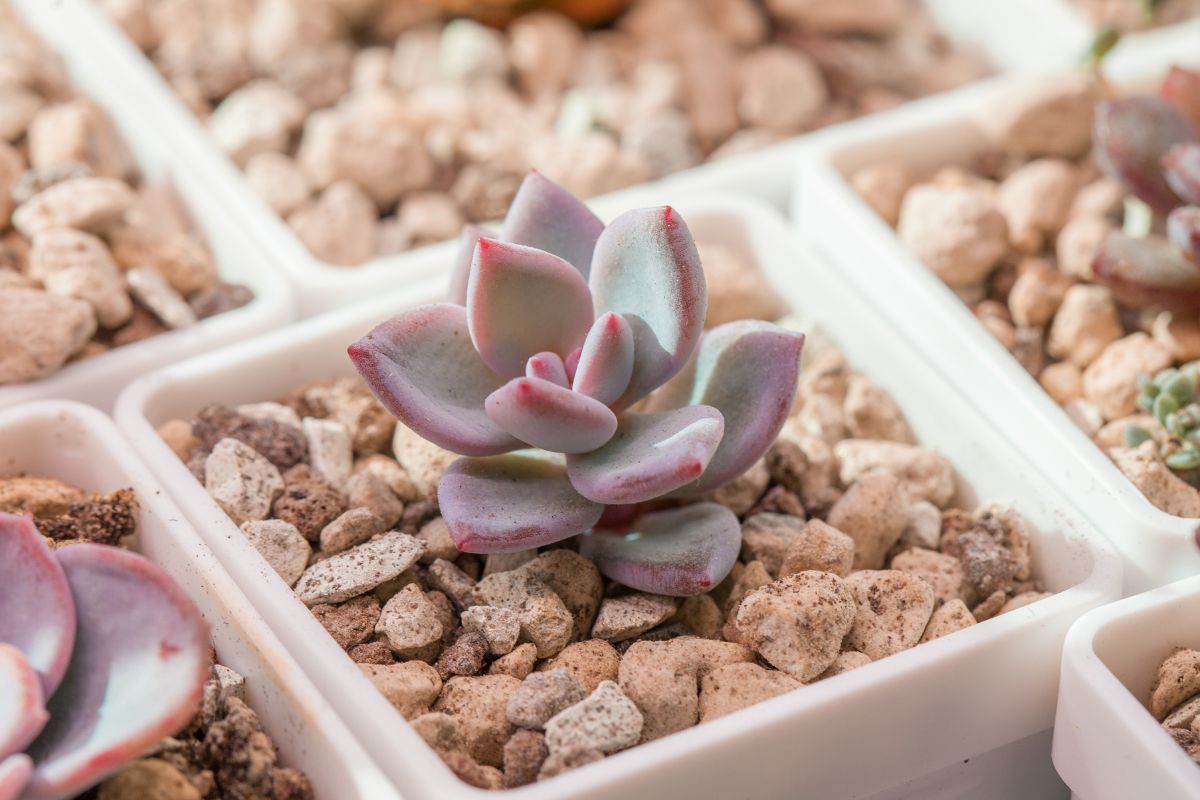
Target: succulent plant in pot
x=540 y=373
x=101 y=656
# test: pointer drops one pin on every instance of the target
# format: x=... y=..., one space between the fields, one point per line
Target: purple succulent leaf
x=549 y=367
x=22 y=702
x=1131 y=137
x=679 y=552
x=460 y=270
x=571 y=362
x=521 y=302
x=424 y=369
x=1183 y=229
x=650 y=455
x=136 y=675
x=546 y=216
x=606 y=361
x=646 y=268
x=1147 y=272
x=37 y=615
x=552 y=417
x=14 y=775
x=510 y=503
x=1182 y=169
x=731 y=358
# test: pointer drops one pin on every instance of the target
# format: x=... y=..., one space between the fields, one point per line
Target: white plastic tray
x=82 y=447
x=848 y=737
x=1107 y=746
x=97 y=381
x=1156 y=546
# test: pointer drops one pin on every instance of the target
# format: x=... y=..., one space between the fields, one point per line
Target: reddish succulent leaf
x=552 y=417
x=650 y=455
x=422 y=367
x=22 y=703
x=549 y=367
x=36 y=613
x=1147 y=273
x=1182 y=169
x=14 y=775
x=606 y=361
x=680 y=552
x=546 y=216
x=571 y=362
x=510 y=503
x=522 y=301
x=646 y=268
x=1183 y=230
x=460 y=270
x=1181 y=88
x=136 y=675
x=748 y=371
x=1132 y=135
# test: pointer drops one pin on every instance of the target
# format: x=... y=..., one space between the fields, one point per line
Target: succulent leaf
x=679 y=552
x=1132 y=135
x=460 y=270
x=650 y=455
x=1147 y=272
x=22 y=702
x=552 y=417
x=136 y=675
x=510 y=503
x=549 y=367
x=37 y=615
x=546 y=216
x=1183 y=231
x=14 y=775
x=1182 y=169
x=424 y=370
x=747 y=370
x=606 y=361
x=521 y=302
x=1181 y=88
x=646 y=268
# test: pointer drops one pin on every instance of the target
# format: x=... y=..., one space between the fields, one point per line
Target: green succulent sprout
x=1171 y=398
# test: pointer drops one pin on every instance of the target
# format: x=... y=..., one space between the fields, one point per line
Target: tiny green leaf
x=1136 y=434
x=1103 y=44
x=1164 y=404
x=1182 y=387
x=1188 y=458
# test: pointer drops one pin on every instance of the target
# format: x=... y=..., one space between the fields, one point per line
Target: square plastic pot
x=80 y=446
x=851 y=736
x=239 y=259
x=1107 y=745
x=1157 y=547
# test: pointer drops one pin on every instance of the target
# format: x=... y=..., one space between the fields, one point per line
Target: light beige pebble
x=957 y=231
x=260 y=117
x=1184 y=715
x=411 y=625
x=281 y=544
x=797 y=623
x=153 y=291
x=606 y=720
x=567 y=760
x=1037 y=293
x=440 y=731
x=663 y=142
x=767 y=537
x=924 y=474
x=78 y=131
x=82 y=203
x=1086 y=323
x=821 y=416
x=871 y=413
x=737 y=288
x=339 y=225
x=447 y=578
x=1113 y=433
x=479 y=703
x=358 y=570
x=746 y=579
x=470 y=52
x=663 y=679
x=1063 y=381
x=352 y=527
x=545 y=620
x=430 y=217
x=944 y=573
x=1177 y=680
x=1011 y=530
x=439 y=544
x=330 y=450
x=148 y=779
x=39 y=331
x=781 y=89
x=1101 y=197
x=629 y=615
x=1044 y=118
x=825 y=373
x=873 y=512
x=870 y=17
x=1179 y=334
x=701 y=615
x=506 y=562
x=279 y=181
x=18 y=107
x=541 y=696
x=576 y=581
x=1076 y=245
x=1036 y=201
x=590 y=661
x=517 y=664
x=924 y=526
x=820 y=547
x=72 y=263
x=736 y=686
x=846 y=661
x=500 y=626
x=368 y=490
x=275 y=412
x=177 y=433
x=411 y=686
x=1085 y=414
x=423 y=461
x=893 y=610
x=743 y=492
x=391 y=473
x=1110 y=380
x=883 y=186
x=948 y=618
x=1023 y=599
x=990 y=606
x=544 y=48
x=242 y=482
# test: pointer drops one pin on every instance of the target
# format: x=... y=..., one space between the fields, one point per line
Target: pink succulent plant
x=101 y=656
x=558 y=332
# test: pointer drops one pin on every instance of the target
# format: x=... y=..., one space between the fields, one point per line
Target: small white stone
x=353 y=527
x=259 y=117
x=154 y=292
x=275 y=412
x=625 y=617
x=72 y=263
x=411 y=624
x=241 y=481
x=82 y=203
x=281 y=545
x=607 y=721
x=359 y=570
x=330 y=450
x=500 y=626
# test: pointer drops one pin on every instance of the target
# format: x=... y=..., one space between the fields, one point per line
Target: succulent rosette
x=101 y=656
x=540 y=374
